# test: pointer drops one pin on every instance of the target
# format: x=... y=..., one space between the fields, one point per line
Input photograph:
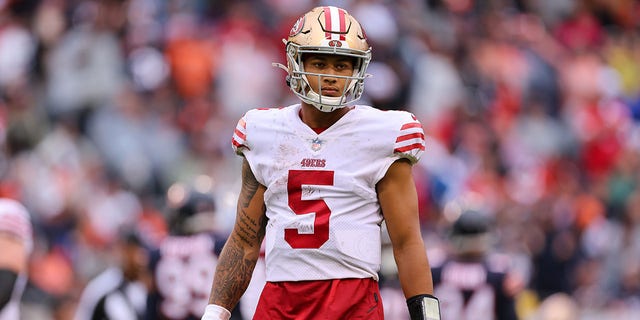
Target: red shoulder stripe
x=240 y=134
x=238 y=144
x=409 y=147
x=410 y=136
x=411 y=125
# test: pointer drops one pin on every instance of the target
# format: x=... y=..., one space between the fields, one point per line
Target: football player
x=471 y=283
x=318 y=179
x=16 y=241
x=182 y=265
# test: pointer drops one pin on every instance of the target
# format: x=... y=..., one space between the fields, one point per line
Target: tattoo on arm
x=248 y=230
x=249 y=186
x=232 y=275
x=236 y=264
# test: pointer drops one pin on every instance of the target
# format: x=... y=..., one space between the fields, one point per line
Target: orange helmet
x=329 y=30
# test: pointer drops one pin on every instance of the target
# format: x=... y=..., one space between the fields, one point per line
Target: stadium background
x=532 y=109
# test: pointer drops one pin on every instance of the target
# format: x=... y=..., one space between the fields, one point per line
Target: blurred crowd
x=531 y=107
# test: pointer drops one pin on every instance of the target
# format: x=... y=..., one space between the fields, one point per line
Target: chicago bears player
x=181 y=266
x=471 y=283
x=318 y=180
x=16 y=241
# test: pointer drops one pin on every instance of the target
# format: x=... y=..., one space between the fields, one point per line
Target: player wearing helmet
x=318 y=180
x=181 y=266
x=471 y=283
x=16 y=242
x=326 y=32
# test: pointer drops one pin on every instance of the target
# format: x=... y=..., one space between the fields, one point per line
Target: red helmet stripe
x=343 y=24
x=335 y=23
x=327 y=22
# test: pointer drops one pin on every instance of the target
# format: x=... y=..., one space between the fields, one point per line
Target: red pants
x=323 y=299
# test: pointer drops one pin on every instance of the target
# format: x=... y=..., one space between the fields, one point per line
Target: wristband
x=424 y=307
x=215 y=312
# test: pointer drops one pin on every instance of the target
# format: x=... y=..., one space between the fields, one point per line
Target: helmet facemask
x=314 y=37
x=299 y=78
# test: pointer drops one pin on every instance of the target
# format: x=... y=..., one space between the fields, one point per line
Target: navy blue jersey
x=183 y=268
x=472 y=290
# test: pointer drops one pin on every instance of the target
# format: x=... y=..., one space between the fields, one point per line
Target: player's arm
x=241 y=251
x=399 y=202
x=512 y=285
x=13 y=261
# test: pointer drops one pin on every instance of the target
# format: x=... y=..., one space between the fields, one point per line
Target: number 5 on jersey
x=320 y=235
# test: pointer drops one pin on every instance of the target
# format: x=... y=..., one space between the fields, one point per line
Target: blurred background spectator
x=532 y=108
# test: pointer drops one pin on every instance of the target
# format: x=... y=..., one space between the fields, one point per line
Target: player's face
x=330 y=65
x=135 y=260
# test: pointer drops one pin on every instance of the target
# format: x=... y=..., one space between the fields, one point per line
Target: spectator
x=16 y=241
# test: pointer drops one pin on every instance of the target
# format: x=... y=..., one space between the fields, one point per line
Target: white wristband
x=215 y=312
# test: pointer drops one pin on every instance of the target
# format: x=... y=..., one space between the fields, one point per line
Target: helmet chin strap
x=324 y=103
x=300 y=86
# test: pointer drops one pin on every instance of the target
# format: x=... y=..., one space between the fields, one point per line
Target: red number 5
x=320 y=234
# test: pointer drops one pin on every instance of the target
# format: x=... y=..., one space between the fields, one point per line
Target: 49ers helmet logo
x=297 y=27
x=335 y=43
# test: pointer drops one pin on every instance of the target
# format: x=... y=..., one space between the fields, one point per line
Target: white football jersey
x=14 y=220
x=321 y=201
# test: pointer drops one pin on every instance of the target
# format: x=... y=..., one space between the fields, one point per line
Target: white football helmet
x=326 y=30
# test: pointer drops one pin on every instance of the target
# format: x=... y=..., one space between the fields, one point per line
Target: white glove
x=215 y=312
